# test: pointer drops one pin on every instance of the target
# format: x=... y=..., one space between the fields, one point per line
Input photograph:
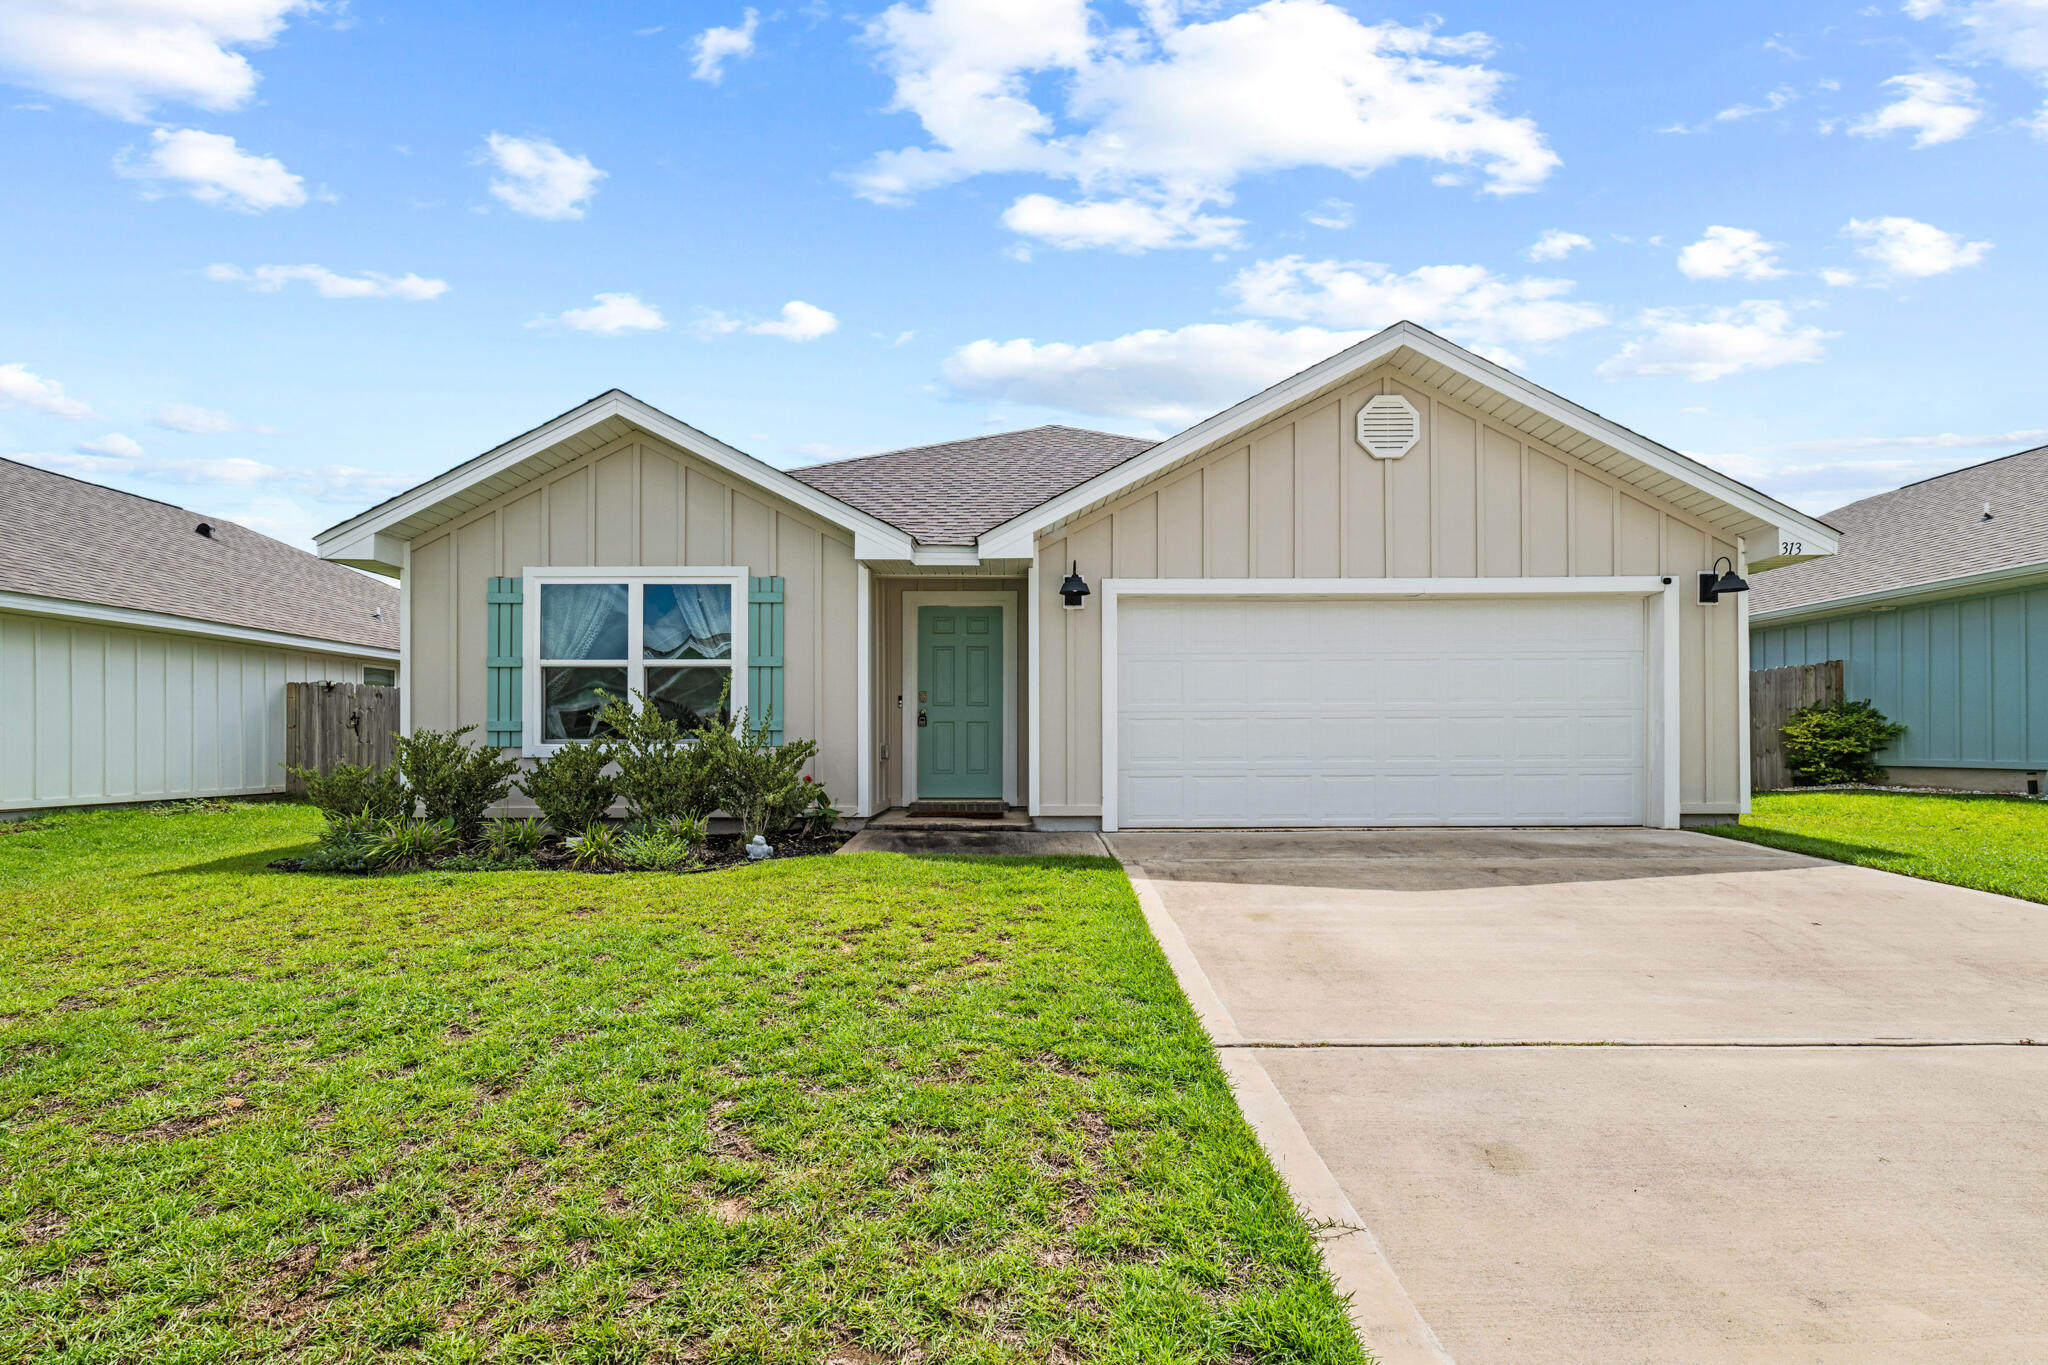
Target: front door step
x=961 y=810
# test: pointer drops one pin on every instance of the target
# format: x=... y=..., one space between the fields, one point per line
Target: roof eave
x=143 y=618
x=1787 y=526
x=368 y=541
x=1906 y=594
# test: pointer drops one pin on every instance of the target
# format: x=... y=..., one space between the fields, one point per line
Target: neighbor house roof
x=1923 y=535
x=80 y=542
x=947 y=494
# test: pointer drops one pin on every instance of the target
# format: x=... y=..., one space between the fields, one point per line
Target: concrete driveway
x=1817 y=1131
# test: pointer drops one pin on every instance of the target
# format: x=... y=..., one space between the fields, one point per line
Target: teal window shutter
x=764 y=655
x=504 y=657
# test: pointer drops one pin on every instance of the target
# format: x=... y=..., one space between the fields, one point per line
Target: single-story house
x=1405 y=586
x=1937 y=606
x=144 y=649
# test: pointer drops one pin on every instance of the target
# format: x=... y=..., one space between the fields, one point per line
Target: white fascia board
x=953 y=556
x=373 y=551
x=135 y=618
x=710 y=449
x=2014 y=575
x=1017 y=536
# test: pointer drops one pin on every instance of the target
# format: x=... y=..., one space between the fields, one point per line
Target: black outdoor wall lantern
x=1074 y=589
x=1713 y=584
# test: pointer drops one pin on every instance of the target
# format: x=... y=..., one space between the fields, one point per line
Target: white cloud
x=1175 y=378
x=1947 y=440
x=800 y=321
x=113 y=443
x=1759 y=334
x=195 y=421
x=2014 y=32
x=268 y=279
x=1773 y=102
x=1934 y=106
x=716 y=46
x=213 y=170
x=1836 y=278
x=19 y=388
x=1172 y=114
x=1913 y=249
x=539 y=179
x=1334 y=214
x=1727 y=253
x=1125 y=224
x=123 y=57
x=1556 y=244
x=615 y=315
x=1467 y=303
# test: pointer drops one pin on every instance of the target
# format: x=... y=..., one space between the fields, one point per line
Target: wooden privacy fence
x=1774 y=694
x=326 y=723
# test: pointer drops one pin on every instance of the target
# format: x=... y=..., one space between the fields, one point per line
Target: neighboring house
x=1937 y=605
x=144 y=649
x=1403 y=587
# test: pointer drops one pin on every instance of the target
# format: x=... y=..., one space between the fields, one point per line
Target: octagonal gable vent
x=1389 y=426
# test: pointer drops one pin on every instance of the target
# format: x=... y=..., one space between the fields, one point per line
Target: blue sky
x=275 y=260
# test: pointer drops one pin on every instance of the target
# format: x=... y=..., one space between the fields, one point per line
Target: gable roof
x=1924 y=535
x=1419 y=354
x=949 y=493
x=79 y=542
x=375 y=538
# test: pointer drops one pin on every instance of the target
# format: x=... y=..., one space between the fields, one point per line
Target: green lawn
x=842 y=1109
x=1994 y=843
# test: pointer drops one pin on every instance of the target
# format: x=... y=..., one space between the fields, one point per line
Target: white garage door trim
x=1659 y=594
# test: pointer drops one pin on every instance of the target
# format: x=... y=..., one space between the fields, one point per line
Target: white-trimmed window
x=678 y=635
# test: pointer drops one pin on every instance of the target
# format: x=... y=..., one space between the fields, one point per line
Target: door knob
x=920 y=718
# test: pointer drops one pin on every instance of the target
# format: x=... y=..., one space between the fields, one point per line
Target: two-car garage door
x=1381 y=711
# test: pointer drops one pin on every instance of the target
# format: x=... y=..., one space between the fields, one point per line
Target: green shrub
x=507 y=840
x=350 y=853
x=353 y=790
x=820 y=817
x=412 y=843
x=692 y=831
x=663 y=773
x=654 y=848
x=455 y=782
x=758 y=783
x=597 y=846
x=571 y=786
x=1834 y=742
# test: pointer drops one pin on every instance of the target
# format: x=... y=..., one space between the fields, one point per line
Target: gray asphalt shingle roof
x=948 y=494
x=84 y=542
x=1924 y=533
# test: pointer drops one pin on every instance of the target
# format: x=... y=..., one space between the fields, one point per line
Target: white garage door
x=1437 y=711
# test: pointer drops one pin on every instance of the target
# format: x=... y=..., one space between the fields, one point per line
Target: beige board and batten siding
x=636 y=501
x=105 y=714
x=1298 y=498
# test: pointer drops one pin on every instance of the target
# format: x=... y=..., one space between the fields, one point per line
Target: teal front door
x=959 y=714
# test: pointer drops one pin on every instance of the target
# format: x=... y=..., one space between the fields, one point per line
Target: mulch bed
x=721 y=851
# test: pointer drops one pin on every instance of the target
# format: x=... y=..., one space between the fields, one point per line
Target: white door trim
x=907 y=716
x=1660 y=594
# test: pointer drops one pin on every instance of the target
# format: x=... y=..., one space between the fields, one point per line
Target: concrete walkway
x=1816 y=1133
